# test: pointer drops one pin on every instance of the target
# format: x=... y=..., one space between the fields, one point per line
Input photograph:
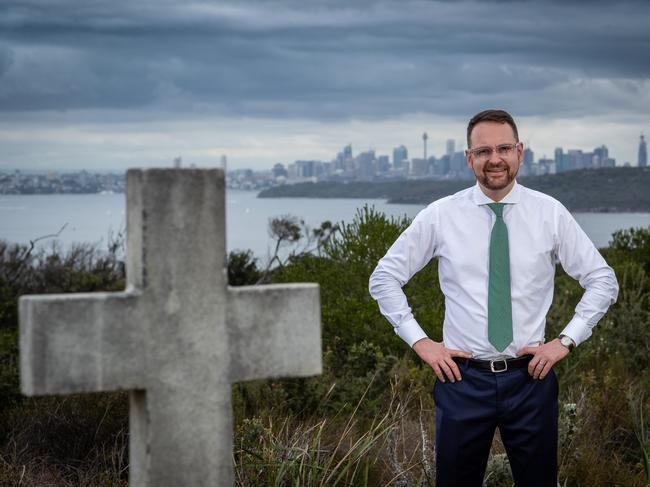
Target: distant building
x=383 y=164
x=367 y=156
x=575 y=158
x=559 y=159
x=366 y=163
x=451 y=147
x=458 y=166
x=279 y=171
x=529 y=157
x=601 y=158
x=546 y=166
x=643 y=153
x=400 y=154
x=343 y=158
x=419 y=167
x=441 y=166
x=609 y=162
x=601 y=154
x=431 y=163
x=308 y=169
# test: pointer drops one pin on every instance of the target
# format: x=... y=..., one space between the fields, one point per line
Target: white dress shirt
x=456 y=231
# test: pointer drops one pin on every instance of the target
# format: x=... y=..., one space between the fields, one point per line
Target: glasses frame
x=510 y=148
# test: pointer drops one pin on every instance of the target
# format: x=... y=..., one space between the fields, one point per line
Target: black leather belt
x=498 y=365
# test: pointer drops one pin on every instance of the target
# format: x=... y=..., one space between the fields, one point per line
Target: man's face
x=497 y=171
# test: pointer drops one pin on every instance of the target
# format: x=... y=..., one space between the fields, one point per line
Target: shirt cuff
x=577 y=329
x=410 y=331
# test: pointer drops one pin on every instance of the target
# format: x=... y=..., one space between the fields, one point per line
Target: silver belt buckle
x=505 y=365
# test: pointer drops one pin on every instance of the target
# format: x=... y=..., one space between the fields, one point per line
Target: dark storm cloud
x=336 y=59
x=6 y=58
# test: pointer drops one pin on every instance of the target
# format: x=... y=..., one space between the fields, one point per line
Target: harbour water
x=92 y=217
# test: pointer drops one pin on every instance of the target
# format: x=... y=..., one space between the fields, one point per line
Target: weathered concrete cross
x=177 y=337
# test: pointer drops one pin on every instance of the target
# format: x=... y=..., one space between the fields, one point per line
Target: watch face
x=567 y=342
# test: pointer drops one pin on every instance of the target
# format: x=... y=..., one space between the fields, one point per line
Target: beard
x=487 y=180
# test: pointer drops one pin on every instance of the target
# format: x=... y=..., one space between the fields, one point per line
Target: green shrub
x=632 y=244
x=299 y=431
x=242 y=268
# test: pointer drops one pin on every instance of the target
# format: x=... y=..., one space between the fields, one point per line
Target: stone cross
x=177 y=337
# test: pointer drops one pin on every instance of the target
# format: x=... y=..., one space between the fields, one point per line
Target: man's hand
x=440 y=358
x=546 y=355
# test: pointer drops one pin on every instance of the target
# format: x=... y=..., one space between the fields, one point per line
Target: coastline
x=615 y=190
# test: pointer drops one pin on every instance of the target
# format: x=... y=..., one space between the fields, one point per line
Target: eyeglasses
x=503 y=150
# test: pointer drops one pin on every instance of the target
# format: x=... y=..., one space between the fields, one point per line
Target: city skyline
x=143 y=82
x=365 y=166
x=372 y=166
x=446 y=146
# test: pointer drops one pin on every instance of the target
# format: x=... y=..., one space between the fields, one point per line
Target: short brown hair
x=499 y=116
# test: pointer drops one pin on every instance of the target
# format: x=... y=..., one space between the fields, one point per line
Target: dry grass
x=82 y=441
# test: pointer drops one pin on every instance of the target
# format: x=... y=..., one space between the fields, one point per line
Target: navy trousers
x=467 y=413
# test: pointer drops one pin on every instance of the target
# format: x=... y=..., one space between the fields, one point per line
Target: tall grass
x=314 y=453
x=636 y=400
x=82 y=441
x=369 y=419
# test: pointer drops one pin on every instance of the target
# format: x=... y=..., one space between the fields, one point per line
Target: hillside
x=613 y=189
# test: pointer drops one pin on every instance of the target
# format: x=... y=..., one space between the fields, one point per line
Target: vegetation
x=369 y=418
x=584 y=190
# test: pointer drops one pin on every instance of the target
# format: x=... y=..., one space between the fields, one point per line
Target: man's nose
x=494 y=157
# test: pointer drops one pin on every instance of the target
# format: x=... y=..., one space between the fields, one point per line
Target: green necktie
x=499 y=303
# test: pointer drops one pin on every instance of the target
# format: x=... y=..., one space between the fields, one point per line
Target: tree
x=289 y=230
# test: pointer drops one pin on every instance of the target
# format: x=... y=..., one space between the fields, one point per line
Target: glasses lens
x=504 y=150
x=483 y=153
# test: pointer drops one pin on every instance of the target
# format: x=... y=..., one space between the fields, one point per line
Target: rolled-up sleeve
x=582 y=261
x=413 y=249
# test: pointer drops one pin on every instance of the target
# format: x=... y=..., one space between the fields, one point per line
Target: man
x=497 y=245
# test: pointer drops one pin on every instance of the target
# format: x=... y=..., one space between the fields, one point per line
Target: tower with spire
x=424 y=139
x=643 y=153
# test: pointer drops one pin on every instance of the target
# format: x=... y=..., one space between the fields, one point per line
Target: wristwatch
x=567 y=342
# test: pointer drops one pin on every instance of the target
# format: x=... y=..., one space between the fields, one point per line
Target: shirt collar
x=479 y=197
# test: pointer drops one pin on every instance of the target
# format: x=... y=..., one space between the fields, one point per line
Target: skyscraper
x=643 y=153
x=601 y=155
x=399 y=154
x=383 y=164
x=529 y=157
x=559 y=159
x=451 y=147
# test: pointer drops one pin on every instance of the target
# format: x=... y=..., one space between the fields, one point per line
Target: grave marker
x=177 y=337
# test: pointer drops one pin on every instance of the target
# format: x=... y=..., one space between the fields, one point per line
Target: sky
x=102 y=85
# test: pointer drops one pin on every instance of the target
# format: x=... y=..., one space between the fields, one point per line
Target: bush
x=82 y=268
x=242 y=268
x=632 y=244
x=349 y=313
x=299 y=431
